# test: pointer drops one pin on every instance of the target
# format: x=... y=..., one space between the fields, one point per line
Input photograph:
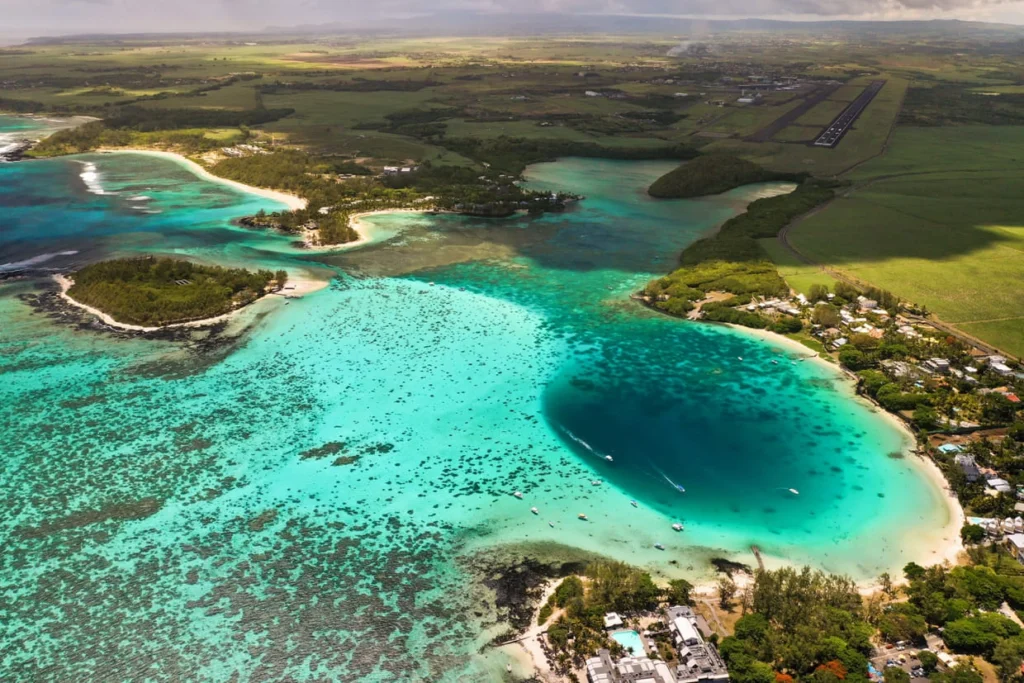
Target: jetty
x=757 y=556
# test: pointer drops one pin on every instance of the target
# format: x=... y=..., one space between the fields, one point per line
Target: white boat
x=794 y=492
x=659 y=546
x=633 y=503
x=596 y=482
x=551 y=524
x=518 y=495
x=677 y=526
x=608 y=458
x=582 y=516
x=740 y=358
x=534 y=511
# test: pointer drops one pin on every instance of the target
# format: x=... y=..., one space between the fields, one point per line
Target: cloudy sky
x=48 y=17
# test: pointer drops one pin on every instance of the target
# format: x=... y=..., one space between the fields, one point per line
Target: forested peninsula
x=713 y=174
x=164 y=291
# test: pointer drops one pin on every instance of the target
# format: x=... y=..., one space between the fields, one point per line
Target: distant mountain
x=469 y=23
x=482 y=24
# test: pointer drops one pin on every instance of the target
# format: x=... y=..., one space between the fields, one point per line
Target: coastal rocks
x=15 y=151
x=517 y=582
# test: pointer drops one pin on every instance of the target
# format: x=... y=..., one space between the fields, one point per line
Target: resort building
x=612 y=620
x=601 y=669
x=1015 y=544
x=697 y=659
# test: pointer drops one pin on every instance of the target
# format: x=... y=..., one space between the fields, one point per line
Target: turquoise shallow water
x=165 y=524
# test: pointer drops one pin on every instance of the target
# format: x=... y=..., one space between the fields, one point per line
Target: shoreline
x=293 y=202
x=949 y=549
x=361 y=229
x=952 y=546
x=302 y=286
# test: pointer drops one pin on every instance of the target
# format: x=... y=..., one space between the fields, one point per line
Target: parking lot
x=905 y=659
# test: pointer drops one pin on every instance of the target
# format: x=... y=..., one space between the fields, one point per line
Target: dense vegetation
x=732 y=260
x=940 y=105
x=513 y=155
x=126 y=125
x=712 y=174
x=963 y=602
x=453 y=188
x=801 y=624
x=160 y=291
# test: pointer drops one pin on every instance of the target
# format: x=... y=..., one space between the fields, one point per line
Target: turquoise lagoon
x=175 y=512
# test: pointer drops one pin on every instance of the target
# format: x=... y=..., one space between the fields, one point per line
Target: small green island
x=713 y=174
x=155 y=292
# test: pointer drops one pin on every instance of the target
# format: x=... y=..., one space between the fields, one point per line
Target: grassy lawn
x=797 y=274
x=823 y=114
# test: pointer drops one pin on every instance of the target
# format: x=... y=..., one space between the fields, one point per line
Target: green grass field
x=798 y=275
x=939 y=220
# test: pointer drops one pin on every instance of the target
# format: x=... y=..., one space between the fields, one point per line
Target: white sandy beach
x=365 y=234
x=300 y=286
x=291 y=201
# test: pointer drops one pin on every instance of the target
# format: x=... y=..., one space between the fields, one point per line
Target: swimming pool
x=629 y=640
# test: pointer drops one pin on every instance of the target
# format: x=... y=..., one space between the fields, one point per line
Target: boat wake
x=591 y=449
x=664 y=476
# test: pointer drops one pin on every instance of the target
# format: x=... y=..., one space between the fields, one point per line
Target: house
x=1015 y=545
x=612 y=620
x=390 y=170
x=591 y=93
x=867 y=304
x=966 y=463
x=999 y=485
x=939 y=365
x=1000 y=369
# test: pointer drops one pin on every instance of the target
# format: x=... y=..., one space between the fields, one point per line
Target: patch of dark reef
x=329 y=448
x=137 y=509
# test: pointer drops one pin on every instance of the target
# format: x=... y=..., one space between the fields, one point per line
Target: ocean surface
x=313 y=498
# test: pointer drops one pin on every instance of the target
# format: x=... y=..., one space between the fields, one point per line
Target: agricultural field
x=940 y=221
x=931 y=211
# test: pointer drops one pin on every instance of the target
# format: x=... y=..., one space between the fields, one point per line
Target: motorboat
x=582 y=516
x=659 y=546
x=518 y=495
x=634 y=503
x=534 y=511
x=608 y=458
x=677 y=526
